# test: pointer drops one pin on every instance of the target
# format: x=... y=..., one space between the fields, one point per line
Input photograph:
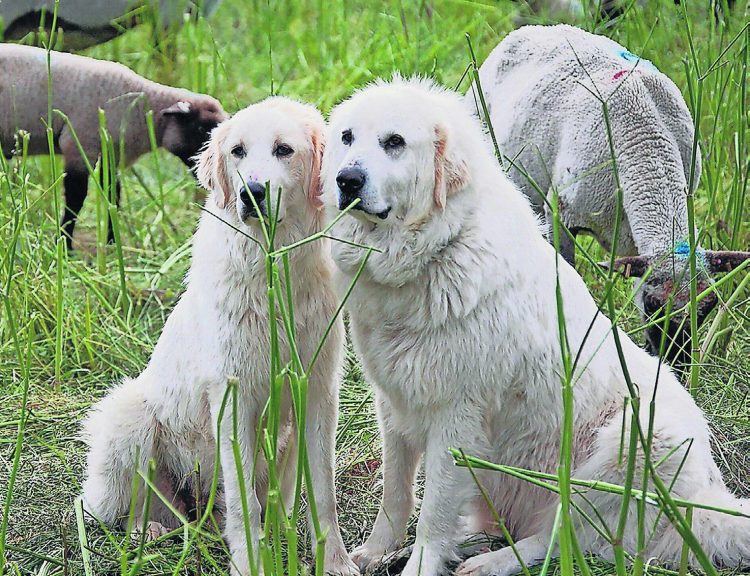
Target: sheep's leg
x=567 y=246
x=110 y=231
x=76 y=186
x=118 y=191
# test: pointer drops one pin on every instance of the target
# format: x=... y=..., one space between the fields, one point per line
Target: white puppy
x=455 y=320
x=219 y=329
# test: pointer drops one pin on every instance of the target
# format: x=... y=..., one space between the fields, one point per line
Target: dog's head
x=266 y=158
x=391 y=150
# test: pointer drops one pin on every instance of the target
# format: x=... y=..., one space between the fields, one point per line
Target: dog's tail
x=724 y=538
x=121 y=434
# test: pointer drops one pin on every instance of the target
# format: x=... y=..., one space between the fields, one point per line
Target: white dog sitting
x=220 y=328
x=455 y=320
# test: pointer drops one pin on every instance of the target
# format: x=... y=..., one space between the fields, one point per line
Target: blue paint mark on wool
x=630 y=57
x=682 y=249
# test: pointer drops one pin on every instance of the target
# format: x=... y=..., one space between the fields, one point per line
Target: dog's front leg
x=447 y=491
x=234 y=528
x=320 y=436
x=400 y=461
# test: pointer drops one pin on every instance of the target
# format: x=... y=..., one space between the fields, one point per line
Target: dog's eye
x=346 y=137
x=238 y=151
x=282 y=150
x=394 y=141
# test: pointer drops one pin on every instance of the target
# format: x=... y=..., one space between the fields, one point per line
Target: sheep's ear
x=724 y=261
x=212 y=171
x=178 y=108
x=451 y=172
x=629 y=266
x=314 y=185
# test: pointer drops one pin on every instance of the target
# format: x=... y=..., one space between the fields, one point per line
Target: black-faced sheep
x=543 y=87
x=81 y=86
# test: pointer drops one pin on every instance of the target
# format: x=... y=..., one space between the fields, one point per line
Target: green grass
x=72 y=324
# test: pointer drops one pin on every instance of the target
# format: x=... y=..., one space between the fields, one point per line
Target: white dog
x=455 y=320
x=220 y=328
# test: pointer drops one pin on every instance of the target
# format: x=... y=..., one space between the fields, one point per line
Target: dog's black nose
x=258 y=191
x=351 y=180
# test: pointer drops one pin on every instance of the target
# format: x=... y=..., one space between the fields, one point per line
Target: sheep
x=81 y=86
x=84 y=24
x=542 y=87
x=601 y=10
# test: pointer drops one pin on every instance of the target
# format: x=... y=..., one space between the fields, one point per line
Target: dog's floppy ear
x=314 y=185
x=451 y=172
x=212 y=171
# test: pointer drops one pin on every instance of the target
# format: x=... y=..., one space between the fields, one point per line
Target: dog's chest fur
x=447 y=339
x=453 y=342
x=245 y=315
x=221 y=327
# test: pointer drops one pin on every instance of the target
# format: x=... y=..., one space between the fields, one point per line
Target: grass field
x=72 y=324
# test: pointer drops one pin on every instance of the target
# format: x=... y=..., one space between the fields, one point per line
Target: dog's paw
x=367 y=559
x=235 y=571
x=424 y=564
x=489 y=564
x=153 y=531
x=469 y=568
x=338 y=563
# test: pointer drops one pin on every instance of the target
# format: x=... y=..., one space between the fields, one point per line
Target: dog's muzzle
x=351 y=181
x=250 y=191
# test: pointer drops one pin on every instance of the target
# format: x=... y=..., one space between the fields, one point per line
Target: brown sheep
x=81 y=86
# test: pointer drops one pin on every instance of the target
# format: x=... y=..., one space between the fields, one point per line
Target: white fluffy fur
x=456 y=324
x=541 y=85
x=220 y=329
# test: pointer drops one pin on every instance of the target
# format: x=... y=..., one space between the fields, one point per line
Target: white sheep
x=81 y=86
x=543 y=87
